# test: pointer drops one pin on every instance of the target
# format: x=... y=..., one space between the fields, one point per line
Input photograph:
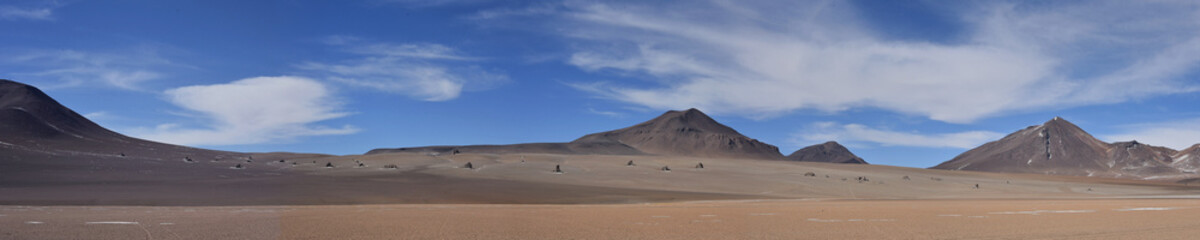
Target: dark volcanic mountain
x=27 y=114
x=30 y=120
x=675 y=133
x=831 y=152
x=686 y=133
x=1059 y=147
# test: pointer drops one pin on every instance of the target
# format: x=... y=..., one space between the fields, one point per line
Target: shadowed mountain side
x=1059 y=147
x=1188 y=159
x=675 y=133
x=830 y=152
x=38 y=134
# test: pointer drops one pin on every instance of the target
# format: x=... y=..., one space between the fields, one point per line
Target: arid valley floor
x=679 y=176
x=747 y=219
x=600 y=197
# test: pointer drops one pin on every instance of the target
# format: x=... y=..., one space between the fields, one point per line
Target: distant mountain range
x=674 y=133
x=35 y=126
x=1059 y=147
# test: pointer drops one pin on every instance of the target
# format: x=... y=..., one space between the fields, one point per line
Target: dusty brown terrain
x=777 y=219
x=526 y=179
x=680 y=176
x=518 y=196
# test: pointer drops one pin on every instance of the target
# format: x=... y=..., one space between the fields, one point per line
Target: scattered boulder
x=239 y=166
x=391 y=166
x=361 y=165
x=812 y=174
x=328 y=165
x=469 y=166
x=906 y=178
x=558 y=169
x=666 y=169
x=863 y=179
x=700 y=165
x=630 y=164
x=188 y=159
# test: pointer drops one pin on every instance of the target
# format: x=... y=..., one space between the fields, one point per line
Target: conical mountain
x=1062 y=148
x=686 y=133
x=830 y=152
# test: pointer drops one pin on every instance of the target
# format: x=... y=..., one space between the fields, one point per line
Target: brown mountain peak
x=829 y=151
x=686 y=133
x=1062 y=148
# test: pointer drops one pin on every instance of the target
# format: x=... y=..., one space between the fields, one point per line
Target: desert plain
x=519 y=196
x=735 y=219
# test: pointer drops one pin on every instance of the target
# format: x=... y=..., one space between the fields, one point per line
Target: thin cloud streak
x=857 y=133
x=15 y=13
x=73 y=68
x=428 y=72
x=1177 y=134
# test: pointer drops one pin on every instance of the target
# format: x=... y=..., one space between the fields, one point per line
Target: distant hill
x=686 y=133
x=830 y=152
x=1061 y=148
x=674 y=133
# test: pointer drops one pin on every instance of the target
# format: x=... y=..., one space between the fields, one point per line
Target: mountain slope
x=831 y=152
x=32 y=120
x=674 y=133
x=686 y=133
x=1187 y=160
x=1062 y=148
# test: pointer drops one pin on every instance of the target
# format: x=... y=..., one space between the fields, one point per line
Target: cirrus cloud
x=764 y=58
x=1177 y=134
x=858 y=133
x=429 y=72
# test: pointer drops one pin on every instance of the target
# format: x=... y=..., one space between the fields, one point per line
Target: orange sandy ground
x=776 y=219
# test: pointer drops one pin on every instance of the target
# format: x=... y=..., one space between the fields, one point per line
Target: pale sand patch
x=112 y=222
x=1145 y=209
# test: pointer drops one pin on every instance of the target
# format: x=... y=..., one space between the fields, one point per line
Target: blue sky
x=907 y=83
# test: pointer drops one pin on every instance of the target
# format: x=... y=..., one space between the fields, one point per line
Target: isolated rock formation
x=830 y=152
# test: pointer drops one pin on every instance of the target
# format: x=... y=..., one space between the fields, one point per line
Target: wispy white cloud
x=17 y=13
x=605 y=113
x=251 y=111
x=429 y=3
x=768 y=58
x=430 y=72
x=857 y=134
x=71 y=68
x=1178 y=134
